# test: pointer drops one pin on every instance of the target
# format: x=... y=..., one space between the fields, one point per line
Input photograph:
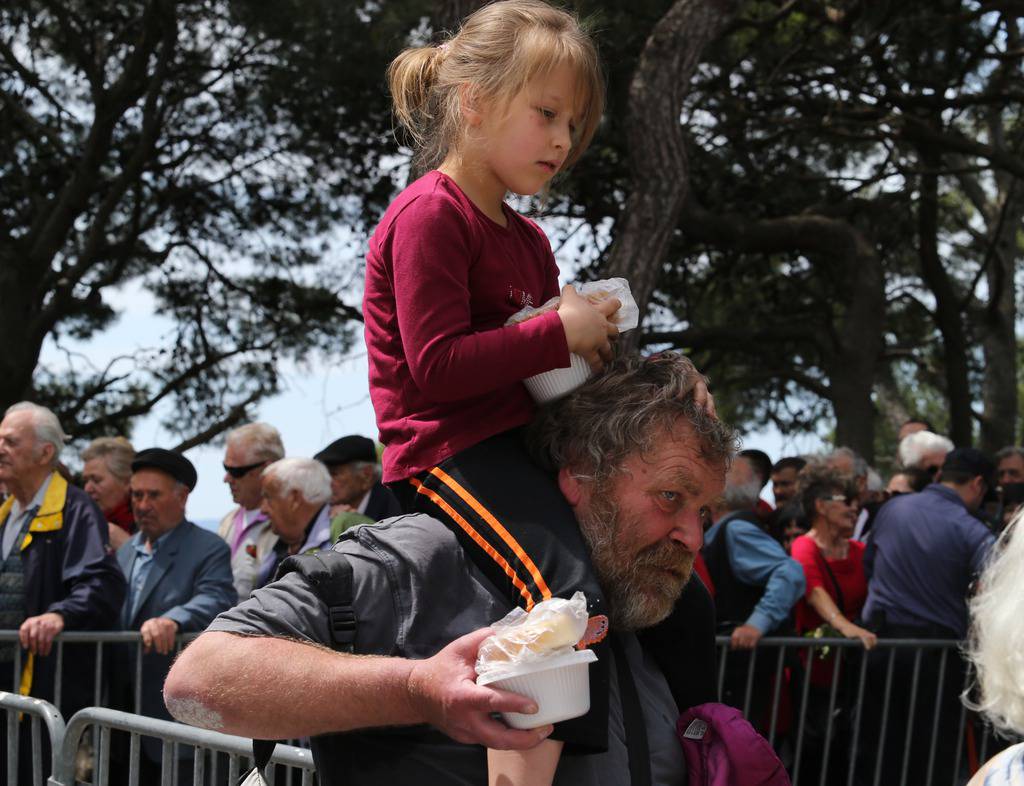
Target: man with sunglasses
x=246 y=529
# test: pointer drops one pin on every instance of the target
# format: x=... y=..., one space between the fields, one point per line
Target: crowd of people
x=491 y=495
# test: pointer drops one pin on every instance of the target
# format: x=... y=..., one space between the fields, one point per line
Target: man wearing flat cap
x=179 y=575
x=354 y=467
x=925 y=553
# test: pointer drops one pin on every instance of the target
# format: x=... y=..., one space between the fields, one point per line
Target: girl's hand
x=588 y=331
x=702 y=397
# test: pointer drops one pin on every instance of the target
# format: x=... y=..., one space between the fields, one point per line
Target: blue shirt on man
x=757 y=559
x=925 y=551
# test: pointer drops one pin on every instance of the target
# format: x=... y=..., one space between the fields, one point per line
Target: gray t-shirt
x=414 y=592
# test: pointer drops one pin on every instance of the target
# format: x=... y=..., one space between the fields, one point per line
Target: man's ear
x=570 y=486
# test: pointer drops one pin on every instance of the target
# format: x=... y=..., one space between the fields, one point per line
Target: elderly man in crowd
x=179 y=579
x=296 y=496
x=756 y=586
x=925 y=451
x=638 y=461
x=246 y=528
x=355 y=479
x=57 y=571
x=926 y=551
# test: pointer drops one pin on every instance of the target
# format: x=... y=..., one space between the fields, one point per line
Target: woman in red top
x=836 y=590
x=833 y=564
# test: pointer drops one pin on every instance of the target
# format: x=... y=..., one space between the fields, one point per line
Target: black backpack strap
x=632 y=718
x=329 y=573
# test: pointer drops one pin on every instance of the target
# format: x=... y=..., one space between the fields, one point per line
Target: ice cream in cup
x=534 y=655
x=560 y=686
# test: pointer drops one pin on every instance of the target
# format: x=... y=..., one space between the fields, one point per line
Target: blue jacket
x=190 y=582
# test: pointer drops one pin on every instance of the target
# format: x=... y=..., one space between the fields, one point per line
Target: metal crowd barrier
x=40 y=713
x=295 y=765
x=103 y=641
x=846 y=753
x=784 y=659
x=297 y=762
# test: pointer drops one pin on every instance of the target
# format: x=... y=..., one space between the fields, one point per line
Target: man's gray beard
x=639 y=591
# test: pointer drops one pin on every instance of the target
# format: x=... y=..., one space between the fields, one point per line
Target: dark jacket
x=382 y=504
x=70 y=570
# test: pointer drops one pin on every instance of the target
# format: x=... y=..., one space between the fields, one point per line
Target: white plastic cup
x=553 y=385
x=560 y=686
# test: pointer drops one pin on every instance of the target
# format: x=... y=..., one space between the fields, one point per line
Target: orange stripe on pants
x=477 y=538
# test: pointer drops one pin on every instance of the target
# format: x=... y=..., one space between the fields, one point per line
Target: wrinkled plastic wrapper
x=626 y=318
x=551 y=629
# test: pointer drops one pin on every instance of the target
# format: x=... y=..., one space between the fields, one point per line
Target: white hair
x=858 y=466
x=46 y=425
x=305 y=475
x=913 y=447
x=359 y=466
x=261 y=441
x=875 y=482
x=996 y=643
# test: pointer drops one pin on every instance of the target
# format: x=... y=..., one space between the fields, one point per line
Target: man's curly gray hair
x=623 y=411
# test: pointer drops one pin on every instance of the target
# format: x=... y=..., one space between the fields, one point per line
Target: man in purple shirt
x=925 y=552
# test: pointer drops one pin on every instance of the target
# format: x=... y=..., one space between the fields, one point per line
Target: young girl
x=508 y=102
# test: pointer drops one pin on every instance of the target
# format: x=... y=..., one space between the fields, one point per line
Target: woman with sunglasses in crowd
x=833 y=563
x=837 y=587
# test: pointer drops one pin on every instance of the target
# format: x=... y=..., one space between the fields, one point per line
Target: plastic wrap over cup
x=560 y=686
x=554 y=384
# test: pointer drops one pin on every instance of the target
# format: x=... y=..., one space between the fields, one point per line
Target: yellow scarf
x=49 y=518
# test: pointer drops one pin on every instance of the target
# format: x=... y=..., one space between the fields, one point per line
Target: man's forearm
x=270 y=688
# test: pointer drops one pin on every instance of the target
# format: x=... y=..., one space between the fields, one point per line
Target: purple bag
x=722 y=749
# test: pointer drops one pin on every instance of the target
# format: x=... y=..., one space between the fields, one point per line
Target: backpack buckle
x=343 y=626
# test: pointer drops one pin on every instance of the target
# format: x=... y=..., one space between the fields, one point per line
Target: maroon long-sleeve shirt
x=441 y=280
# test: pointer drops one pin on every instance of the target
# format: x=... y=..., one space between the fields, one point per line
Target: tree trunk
x=657 y=143
x=999 y=340
x=948 y=316
x=851 y=344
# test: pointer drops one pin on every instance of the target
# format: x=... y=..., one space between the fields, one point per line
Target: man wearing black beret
x=179 y=576
x=355 y=478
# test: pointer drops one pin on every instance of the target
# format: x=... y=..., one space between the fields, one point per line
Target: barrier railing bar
x=138 y=677
x=58 y=683
x=803 y=715
x=101 y=757
x=12 y=748
x=233 y=768
x=166 y=774
x=858 y=710
x=938 y=713
x=37 y=752
x=776 y=695
x=721 y=666
x=134 y=758
x=750 y=684
x=198 y=763
x=836 y=665
x=959 y=744
x=885 y=717
x=909 y=736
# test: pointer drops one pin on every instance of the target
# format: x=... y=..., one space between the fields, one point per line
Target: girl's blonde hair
x=996 y=643
x=499 y=49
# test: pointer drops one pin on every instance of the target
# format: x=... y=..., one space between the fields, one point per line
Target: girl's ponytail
x=411 y=77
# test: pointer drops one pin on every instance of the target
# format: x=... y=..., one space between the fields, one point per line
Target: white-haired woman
x=107 y=471
x=995 y=648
